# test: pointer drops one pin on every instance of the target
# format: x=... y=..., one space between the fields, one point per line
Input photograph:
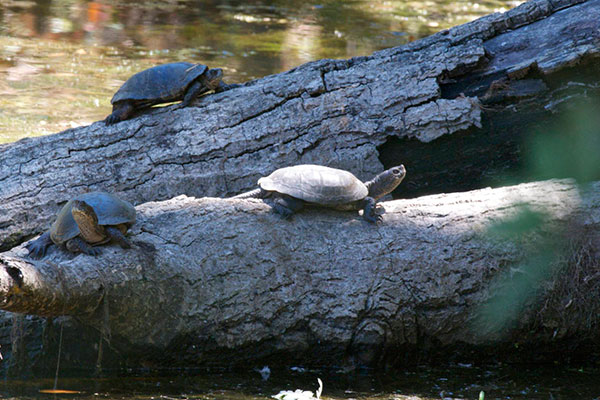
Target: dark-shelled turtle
x=293 y=187
x=87 y=220
x=162 y=84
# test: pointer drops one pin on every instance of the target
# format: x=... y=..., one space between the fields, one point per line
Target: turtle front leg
x=78 y=245
x=226 y=86
x=121 y=111
x=195 y=90
x=37 y=248
x=118 y=236
x=369 y=211
x=286 y=206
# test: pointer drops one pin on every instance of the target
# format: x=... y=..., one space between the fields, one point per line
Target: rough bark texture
x=331 y=111
x=208 y=279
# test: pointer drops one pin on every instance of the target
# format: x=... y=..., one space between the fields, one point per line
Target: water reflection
x=61 y=60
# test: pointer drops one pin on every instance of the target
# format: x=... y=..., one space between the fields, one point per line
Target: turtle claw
x=185 y=103
x=118 y=237
x=284 y=213
x=37 y=248
x=110 y=120
x=78 y=245
x=224 y=86
x=370 y=211
x=121 y=112
x=373 y=218
x=287 y=206
x=371 y=215
x=92 y=251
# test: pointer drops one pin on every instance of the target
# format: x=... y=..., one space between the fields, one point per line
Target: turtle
x=162 y=84
x=87 y=220
x=307 y=184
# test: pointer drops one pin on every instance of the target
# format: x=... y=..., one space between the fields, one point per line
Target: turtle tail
x=253 y=194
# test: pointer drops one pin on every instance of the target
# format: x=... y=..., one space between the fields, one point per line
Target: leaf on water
x=59 y=391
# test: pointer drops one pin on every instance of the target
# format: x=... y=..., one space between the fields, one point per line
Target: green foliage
x=571 y=148
x=519 y=284
x=568 y=148
x=525 y=222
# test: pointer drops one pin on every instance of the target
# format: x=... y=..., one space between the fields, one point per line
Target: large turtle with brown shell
x=87 y=220
x=162 y=84
x=292 y=188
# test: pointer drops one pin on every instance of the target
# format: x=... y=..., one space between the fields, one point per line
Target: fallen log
x=361 y=115
x=218 y=281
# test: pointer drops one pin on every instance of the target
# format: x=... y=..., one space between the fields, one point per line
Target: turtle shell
x=163 y=83
x=316 y=184
x=110 y=211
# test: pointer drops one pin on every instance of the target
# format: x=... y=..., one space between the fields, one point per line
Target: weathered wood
x=428 y=266
x=336 y=112
x=208 y=277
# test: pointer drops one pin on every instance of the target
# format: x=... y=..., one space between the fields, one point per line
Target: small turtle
x=87 y=220
x=316 y=185
x=162 y=84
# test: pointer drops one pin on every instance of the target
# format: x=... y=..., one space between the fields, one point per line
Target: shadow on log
x=218 y=281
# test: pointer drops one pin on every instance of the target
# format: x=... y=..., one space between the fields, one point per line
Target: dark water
x=457 y=382
x=61 y=61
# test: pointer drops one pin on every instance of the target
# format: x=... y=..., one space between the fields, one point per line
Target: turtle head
x=83 y=213
x=386 y=182
x=213 y=77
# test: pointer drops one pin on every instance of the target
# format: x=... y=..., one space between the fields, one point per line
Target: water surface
x=460 y=381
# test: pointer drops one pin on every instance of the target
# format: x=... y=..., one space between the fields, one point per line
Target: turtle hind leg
x=78 y=245
x=286 y=206
x=369 y=212
x=118 y=236
x=37 y=248
x=121 y=112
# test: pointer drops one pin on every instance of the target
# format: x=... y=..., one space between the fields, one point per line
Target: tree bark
x=208 y=279
x=343 y=113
